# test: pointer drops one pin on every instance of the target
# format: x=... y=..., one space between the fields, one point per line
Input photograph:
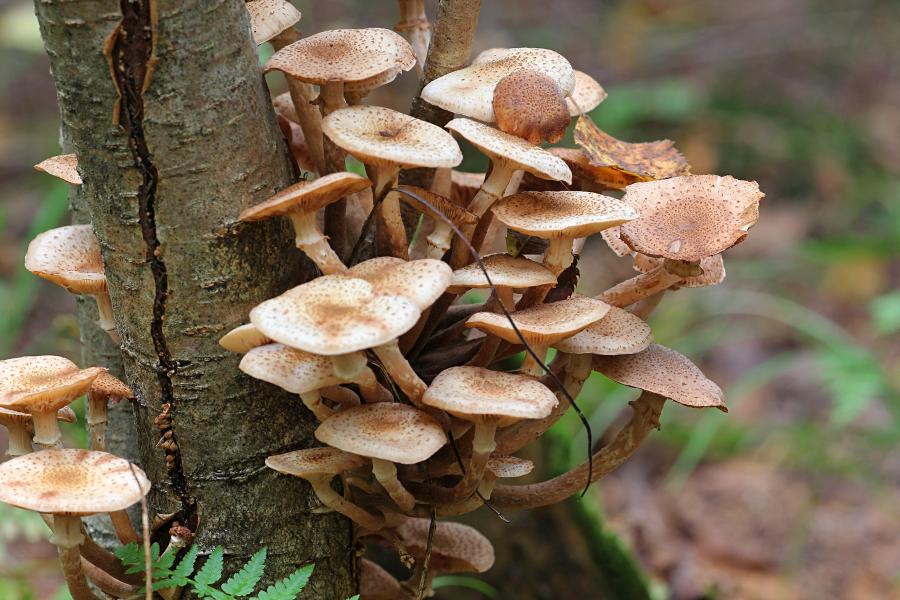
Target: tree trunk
x=164 y=104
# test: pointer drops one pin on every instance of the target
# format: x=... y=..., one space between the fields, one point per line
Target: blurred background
x=793 y=494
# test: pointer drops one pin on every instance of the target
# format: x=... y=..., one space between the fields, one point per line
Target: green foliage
x=168 y=574
x=885 y=311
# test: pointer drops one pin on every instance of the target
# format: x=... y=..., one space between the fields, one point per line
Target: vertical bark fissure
x=132 y=61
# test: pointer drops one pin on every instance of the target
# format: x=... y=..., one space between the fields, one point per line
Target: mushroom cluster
x=419 y=413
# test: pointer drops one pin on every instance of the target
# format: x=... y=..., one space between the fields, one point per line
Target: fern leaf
x=185 y=566
x=211 y=572
x=243 y=582
x=136 y=562
x=130 y=554
x=289 y=587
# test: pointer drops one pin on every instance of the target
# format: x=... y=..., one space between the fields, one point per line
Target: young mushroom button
x=530 y=105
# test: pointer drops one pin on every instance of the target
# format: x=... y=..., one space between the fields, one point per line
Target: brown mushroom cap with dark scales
x=618 y=332
x=530 y=105
x=456 y=548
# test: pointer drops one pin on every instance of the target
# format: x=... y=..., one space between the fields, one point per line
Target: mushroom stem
x=473 y=502
x=645 y=417
x=96 y=419
x=483 y=445
x=123 y=527
x=386 y=473
x=46 y=430
x=313 y=401
x=353 y=367
x=400 y=371
x=390 y=232
x=106 y=582
x=558 y=256
x=491 y=190
x=67 y=537
x=639 y=287
x=485 y=355
x=331 y=96
x=414 y=26
x=310 y=239
x=106 y=321
x=321 y=485
x=19 y=440
x=340 y=395
x=531 y=366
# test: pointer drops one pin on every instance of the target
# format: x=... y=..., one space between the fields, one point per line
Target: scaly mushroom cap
x=109 y=386
x=544 y=323
x=390 y=431
x=458 y=215
x=615 y=243
x=514 y=150
x=307 y=196
x=333 y=315
x=692 y=217
x=268 y=18
x=509 y=467
x=42 y=383
x=587 y=95
x=311 y=462
x=713 y=269
x=71 y=482
x=464 y=186
x=663 y=371
x=420 y=281
x=530 y=105
x=561 y=214
x=505 y=271
x=456 y=548
x=284 y=107
x=293 y=370
x=381 y=136
x=470 y=91
x=243 y=338
x=619 y=332
x=377 y=584
x=362 y=58
x=68 y=256
x=64 y=166
x=468 y=392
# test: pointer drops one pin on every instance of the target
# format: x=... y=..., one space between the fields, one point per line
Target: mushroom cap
x=544 y=323
x=566 y=214
x=387 y=430
x=468 y=392
x=456 y=548
x=111 y=387
x=362 y=58
x=284 y=107
x=290 y=369
x=64 y=166
x=506 y=271
x=268 y=18
x=377 y=584
x=663 y=371
x=615 y=243
x=470 y=90
x=691 y=217
x=333 y=315
x=529 y=104
x=71 y=482
x=587 y=95
x=307 y=196
x=311 y=462
x=39 y=384
x=713 y=269
x=512 y=150
x=509 y=467
x=68 y=256
x=381 y=136
x=13 y=417
x=420 y=281
x=243 y=338
x=442 y=207
x=619 y=332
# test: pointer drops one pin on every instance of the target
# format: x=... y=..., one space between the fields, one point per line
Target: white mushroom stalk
x=105 y=390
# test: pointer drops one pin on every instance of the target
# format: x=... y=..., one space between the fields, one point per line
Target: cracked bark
x=194 y=143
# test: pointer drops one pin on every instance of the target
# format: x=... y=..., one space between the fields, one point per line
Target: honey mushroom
x=105 y=390
x=19 y=428
x=70 y=484
x=64 y=166
x=69 y=256
x=414 y=26
x=439 y=239
x=387 y=433
x=243 y=338
x=498 y=467
x=712 y=273
x=586 y=96
x=377 y=584
x=529 y=104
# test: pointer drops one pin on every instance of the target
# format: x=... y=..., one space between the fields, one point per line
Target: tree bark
x=165 y=106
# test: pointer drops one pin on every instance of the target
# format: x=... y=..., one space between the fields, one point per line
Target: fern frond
x=289 y=587
x=244 y=581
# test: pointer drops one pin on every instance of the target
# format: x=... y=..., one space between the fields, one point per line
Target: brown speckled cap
x=111 y=387
x=691 y=217
x=509 y=467
x=619 y=332
x=68 y=256
x=506 y=271
x=545 y=323
x=377 y=584
x=71 y=482
x=42 y=383
x=561 y=214
x=268 y=18
x=456 y=548
x=290 y=369
x=390 y=431
x=307 y=196
x=529 y=104
x=663 y=371
x=587 y=95
x=64 y=166
x=421 y=281
x=315 y=461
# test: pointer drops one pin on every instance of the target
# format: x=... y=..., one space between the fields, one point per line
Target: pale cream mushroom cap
x=381 y=136
x=587 y=95
x=713 y=269
x=663 y=371
x=68 y=256
x=615 y=243
x=468 y=392
x=506 y=271
x=456 y=548
x=361 y=58
x=242 y=338
x=566 y=214
x=268 y=18
x=311 y=462
x=334 y=315
x=619 y=332
x=470 y=90
x=71 y=482
x=544 y=323
x=511 y=149
x=290 y=369
x=421 y=281
x=42 y=383
x=389 y=431
x=509 y=467
x=377 y=584
x=64 y=166
x=307 y=196
x=690 y=217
